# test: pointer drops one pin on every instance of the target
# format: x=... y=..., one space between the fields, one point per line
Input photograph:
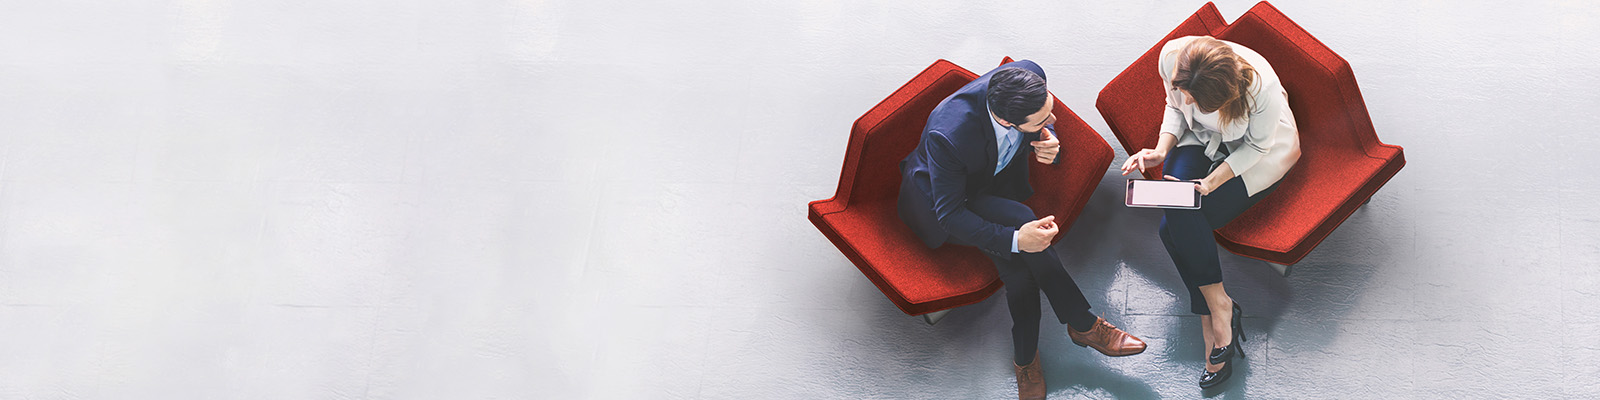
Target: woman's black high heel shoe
x=1223 y=354
x=1209 y=379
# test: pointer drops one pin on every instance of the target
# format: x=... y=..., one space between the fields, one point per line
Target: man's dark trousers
x=1026 y=274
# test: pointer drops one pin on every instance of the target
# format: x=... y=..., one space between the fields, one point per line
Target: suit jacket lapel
x=991 y=146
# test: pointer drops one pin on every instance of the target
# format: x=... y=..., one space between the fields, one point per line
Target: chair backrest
x=1134 y=102
x=1322 y=89
x=891 y=129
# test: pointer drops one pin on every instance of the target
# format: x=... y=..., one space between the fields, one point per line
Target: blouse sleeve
x=1172 y=121
x=1258 y=137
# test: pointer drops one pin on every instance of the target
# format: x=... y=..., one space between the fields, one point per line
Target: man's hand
x=1046 y=148
x=1034 y=236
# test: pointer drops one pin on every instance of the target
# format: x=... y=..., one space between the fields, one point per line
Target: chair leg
x=1282 y=269
x=934 y=317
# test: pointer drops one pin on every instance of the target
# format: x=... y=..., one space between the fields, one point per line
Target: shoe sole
x=1081 y=344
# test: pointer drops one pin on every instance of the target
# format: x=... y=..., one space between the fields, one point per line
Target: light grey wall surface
x=606 y=199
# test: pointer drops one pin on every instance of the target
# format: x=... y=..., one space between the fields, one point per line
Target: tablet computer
x=1162 y=194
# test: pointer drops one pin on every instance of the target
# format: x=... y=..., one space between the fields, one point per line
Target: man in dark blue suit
x=965 y=183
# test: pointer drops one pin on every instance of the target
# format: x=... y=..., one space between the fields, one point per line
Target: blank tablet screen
x=1162 y=193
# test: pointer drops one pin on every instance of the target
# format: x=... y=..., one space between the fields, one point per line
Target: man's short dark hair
x=1015 y=93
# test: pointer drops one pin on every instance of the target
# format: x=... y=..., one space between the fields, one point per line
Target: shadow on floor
x=1113 y=254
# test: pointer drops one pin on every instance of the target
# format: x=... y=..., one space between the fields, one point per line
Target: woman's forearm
x=1166 y=142
x=1219 y=176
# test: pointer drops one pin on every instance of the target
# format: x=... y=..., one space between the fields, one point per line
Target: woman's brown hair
x=1215 y=77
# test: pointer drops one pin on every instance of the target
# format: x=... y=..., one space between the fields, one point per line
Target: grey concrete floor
x=606 y=199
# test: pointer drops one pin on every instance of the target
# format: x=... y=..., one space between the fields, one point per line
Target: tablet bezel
x=1127 y=197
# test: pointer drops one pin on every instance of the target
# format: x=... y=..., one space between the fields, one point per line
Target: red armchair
x=1342 y=163
x=861 y=218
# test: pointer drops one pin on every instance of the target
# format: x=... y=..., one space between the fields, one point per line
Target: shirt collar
x=1000 y=131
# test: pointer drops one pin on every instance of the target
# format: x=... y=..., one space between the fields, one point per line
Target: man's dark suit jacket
x=955 y=161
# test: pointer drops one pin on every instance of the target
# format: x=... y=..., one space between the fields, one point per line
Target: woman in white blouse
x=1227 y=127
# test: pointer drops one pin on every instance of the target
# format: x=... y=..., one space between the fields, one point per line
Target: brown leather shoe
x=1030 y=380
x=1107 y=339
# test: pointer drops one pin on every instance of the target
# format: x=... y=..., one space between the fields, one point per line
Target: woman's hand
x=1147 y=158
x=1204 y=186
x=1219 y=176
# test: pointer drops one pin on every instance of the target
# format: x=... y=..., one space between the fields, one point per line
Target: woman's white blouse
x=1261 y=147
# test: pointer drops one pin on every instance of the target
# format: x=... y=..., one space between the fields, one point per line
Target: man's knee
x=1023 y=303
x=1002 y=211
x=1019 y=284
x=1017 y=214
